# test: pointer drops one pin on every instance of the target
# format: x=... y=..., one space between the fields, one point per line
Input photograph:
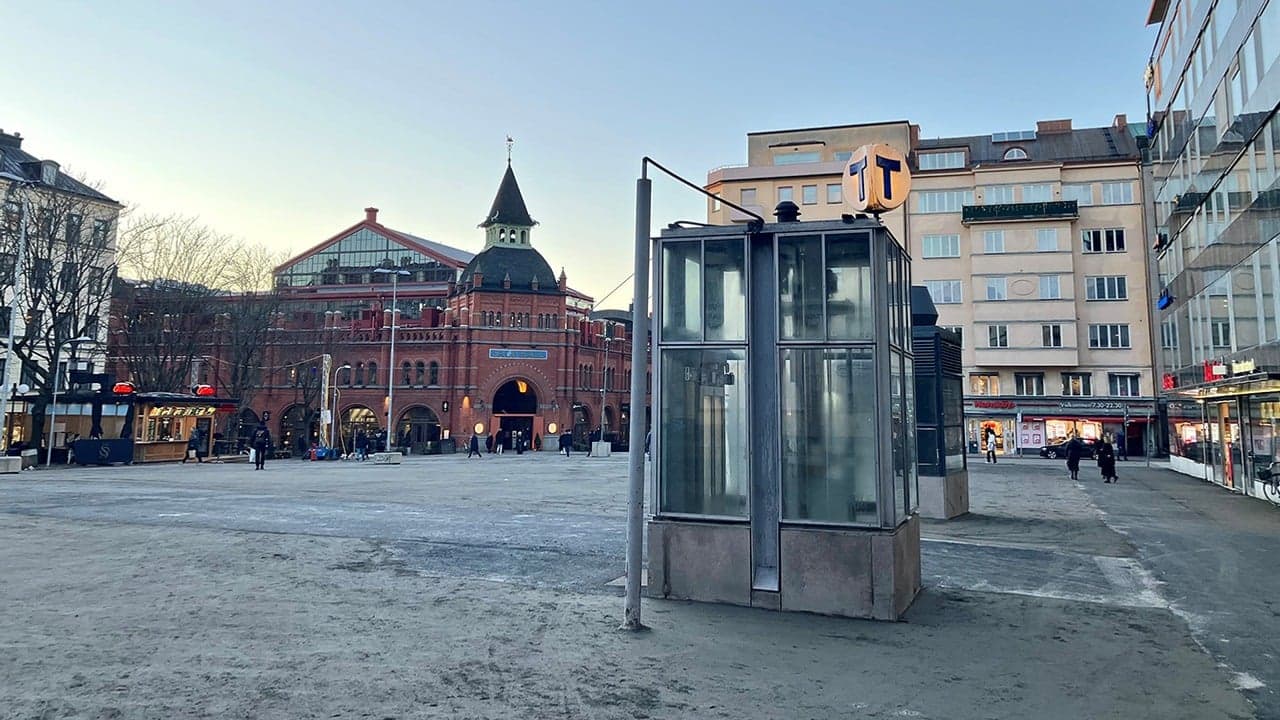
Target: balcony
x=1013 y=212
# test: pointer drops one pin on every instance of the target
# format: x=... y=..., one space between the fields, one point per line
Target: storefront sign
x=994 y=404
x=1243 y=367
x=188 y=411
x=505 y=354
x=1169 y=381
x=876 y=179
x=1214 y=370
x=1092 y=405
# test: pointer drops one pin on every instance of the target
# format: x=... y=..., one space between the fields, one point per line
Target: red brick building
x=486 y=342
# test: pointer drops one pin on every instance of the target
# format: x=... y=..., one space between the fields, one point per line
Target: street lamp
x=15 y=183
x=395 y=274
x=334 y=406
x=57 y=375
x=607 y=336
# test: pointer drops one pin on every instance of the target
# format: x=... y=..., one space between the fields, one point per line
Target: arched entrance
x=581 y=426
x=354 y=419
x=514 y=405
x=417 y=427
x=298 y=430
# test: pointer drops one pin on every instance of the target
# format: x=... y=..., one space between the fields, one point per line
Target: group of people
x=496 y=444
x=1104 y=453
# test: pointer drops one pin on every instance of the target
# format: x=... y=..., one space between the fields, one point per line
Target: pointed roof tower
x=508 y=205
x=509 y=262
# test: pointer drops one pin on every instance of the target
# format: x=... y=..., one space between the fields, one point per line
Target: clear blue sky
x=278 y=121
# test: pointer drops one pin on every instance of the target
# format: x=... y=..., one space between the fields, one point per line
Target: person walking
x=1074 y=450
x=566 y=443
x=473 y=447
x=1122 y=452
x=193 y=447
x=499 y=439
x=518 y=439
x=991 y=445
x=261 y=442
x=361 y=445
x=1107 y=461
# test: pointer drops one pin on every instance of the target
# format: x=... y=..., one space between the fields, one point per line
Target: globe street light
x=395 y=274
x=57 y=375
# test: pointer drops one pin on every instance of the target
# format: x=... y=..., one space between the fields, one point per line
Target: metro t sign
x=876 y=179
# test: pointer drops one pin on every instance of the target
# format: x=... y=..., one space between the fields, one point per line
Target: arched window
x=421 y=369
x=406 y=372
x=524 y=238
x=513 y=320
x=359 y=379
x=502 y=234
x=1015 y=154
x=372 y=370
x=433 y=378
x=344 y=375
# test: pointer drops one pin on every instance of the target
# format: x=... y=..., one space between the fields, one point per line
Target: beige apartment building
x=1032 y=246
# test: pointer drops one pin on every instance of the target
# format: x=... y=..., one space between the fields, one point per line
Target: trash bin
x=973 y=447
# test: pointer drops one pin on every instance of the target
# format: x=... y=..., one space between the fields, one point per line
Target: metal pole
x=53 y=409
x=391 y=372
x=326 y=414
x=18 y=280
x=635 y=448
x=604 y=385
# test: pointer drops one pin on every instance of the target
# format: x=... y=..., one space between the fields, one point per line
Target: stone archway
x=418 y=429
x=354 y=419
x=515 y=404
x=581 y=426
x=298 y=430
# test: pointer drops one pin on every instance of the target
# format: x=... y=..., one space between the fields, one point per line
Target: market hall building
x=485 y=342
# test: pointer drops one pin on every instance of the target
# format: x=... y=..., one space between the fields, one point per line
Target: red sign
x=123 y=388
x=994 y=404
x=1214 y=370
x=1169 y=381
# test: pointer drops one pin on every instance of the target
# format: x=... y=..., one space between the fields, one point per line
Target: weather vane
x=510 y=142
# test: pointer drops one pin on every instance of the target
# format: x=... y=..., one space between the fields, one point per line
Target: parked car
x=1059 y=450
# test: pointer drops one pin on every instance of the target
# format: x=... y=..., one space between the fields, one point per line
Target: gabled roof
x=446 y=255
x=16 y=162
x=508 y=205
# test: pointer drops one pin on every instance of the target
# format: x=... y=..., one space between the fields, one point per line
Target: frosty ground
x=458 y=588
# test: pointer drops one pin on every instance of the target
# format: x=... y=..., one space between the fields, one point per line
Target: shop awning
x=1252 y=384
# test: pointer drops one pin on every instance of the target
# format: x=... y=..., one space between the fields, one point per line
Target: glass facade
x=352 y=260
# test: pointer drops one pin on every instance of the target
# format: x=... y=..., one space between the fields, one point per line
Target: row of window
x=1100 y=240
x=1097 y=289
x=1118 y=192
x=542 y=321
x=71 y=225
x=419 y=374
x=608 y=379
x=786 y=193
x=1102 y=336
x=1074 y=384
x=63 y=328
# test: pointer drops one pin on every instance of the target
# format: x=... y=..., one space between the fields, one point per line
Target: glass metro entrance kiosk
x=784 y=456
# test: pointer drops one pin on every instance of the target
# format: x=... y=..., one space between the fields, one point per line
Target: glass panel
x=726 y=290
x=849 y=313
x=913 y=472
x=897 y=436
x=829 y=435
x=681 y=291
x=703 y=437
x=800 y=287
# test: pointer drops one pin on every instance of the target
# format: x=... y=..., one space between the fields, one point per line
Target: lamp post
x=333 y=407
x=57 y=375
x=607 y=336
x=18 y=281
x=395 y=274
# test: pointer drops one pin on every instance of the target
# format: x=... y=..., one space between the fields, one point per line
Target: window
x=1117 y=193
x=984 y=384
x=786 y=194
x=1122 y=384
x=1047 y=239
x=940 y=160
x=1015 y=154
x=1051 y=336
x=1040 y=192
x=715 y=204
x=433 y=378
x=795 y=158
x=1082 y=194
x=1108 y=287
x=43 y=269
x=1108 y=337
x=420 y=373
x=997 y=289
x=1110 y=240
x=834 y=194
x=843 y=156
x=998 y=195
x=1029 y=383
x=1050 y=287
x=74 y=223
x=1168 y=335
x=958 y=330
x=1013 y=135
x=809 y=194
x=704 y=465
x=993 y=241
x=372 y=369
x=1077 y=384
x=943 y=201
x=941 y=246
x=998 y=336
x=748 y=196
x=69 y=277
x=943 y=292
x=1220 y=332
x=5 y=313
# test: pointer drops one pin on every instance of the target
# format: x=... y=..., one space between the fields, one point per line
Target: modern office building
x=1213 y=88
x=1032 y=246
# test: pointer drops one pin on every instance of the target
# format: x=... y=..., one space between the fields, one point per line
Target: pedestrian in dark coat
x=1107 y=461
x=193 y=446
x=1122 y=452
x=473 y=447
x=261 y=439
x=566 y=443
x=1074 y=450
x=361 y=445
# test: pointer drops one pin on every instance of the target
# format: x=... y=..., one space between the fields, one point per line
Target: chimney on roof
x=915 y=137
x=1121 y=122
x=371 y=214
x=564 y=281
x=1053 y=127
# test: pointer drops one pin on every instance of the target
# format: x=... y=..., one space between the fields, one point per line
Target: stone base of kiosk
x=387 y=458
x=942 y=498
x=848 y=572
x=600 y=449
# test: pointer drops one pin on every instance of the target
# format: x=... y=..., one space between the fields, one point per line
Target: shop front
x=163 y=425
x=1023 y=426
x=1225 y=429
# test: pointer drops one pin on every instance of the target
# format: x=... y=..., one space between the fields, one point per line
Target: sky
x=278 y=122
